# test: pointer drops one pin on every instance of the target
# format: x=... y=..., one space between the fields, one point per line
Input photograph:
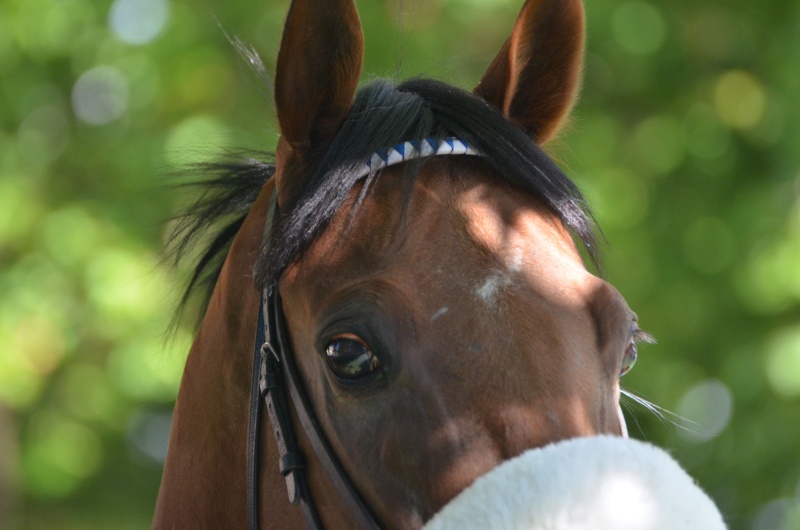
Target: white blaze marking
x=492 y=286
x=499 y=279
x=440 y=312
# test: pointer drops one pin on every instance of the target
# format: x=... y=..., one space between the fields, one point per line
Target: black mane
x=226 y=195
x=384 y=114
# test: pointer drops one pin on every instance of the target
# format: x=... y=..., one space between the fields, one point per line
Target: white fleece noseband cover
x=596 y=483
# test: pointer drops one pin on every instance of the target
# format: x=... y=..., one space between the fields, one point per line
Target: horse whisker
x=663 y=414
x=632 y=414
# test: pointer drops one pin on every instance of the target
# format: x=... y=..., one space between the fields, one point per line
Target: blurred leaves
x=685 y=141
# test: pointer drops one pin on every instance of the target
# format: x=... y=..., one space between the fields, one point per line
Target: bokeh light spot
x=740 y=99
x=53 y=28
x=598 y=142
x=6 y=35
x=779 y=514
x=138 y=21
x=149 y=433
x=706 y=137
x=205 y=82
x=85 y=392
x=658 y=142
x=145 y=367
x=791 y=520
x=43 y=135
x=196 y=139
x=783 y=362
x=19 y=384
x=120 y=286
x=70 y=235
x=770 y=281
x=40 y=342
x=638 y=27
x=100 y=95
x=708 y=405
x=19 y=209
x=60 y=453
x=623 y=199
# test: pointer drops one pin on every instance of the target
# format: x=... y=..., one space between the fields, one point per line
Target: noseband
x=275 y=375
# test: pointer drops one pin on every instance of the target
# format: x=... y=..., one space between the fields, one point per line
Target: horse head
x=437 y=306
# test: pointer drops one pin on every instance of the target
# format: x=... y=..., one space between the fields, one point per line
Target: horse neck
x=204 y=481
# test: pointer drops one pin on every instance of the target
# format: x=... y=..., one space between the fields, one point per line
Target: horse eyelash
x=642 y=337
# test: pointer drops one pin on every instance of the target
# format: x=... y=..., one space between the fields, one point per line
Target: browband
x=389 y=156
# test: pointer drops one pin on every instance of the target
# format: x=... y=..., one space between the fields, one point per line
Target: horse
x=419 y=256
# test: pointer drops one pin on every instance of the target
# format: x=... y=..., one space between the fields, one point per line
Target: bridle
x=275 y=376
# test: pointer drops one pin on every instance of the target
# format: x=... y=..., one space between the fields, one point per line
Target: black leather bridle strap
x=253 y=434
x=312 y=429
x=269 y=387
x=274 y=374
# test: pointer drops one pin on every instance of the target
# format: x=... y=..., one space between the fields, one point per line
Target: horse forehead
x=465 y=229
x=509 y=238
x=511 y=225
x=467 y=206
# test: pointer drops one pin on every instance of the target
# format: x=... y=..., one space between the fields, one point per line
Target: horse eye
x=349 y=357
x=629 y=358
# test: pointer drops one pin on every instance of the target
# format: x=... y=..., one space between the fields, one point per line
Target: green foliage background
x=686 y=140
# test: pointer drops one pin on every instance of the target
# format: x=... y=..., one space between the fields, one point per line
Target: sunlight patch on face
x=514 y=261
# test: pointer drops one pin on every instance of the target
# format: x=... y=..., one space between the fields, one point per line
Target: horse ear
x=318 y=68
x=535 y=78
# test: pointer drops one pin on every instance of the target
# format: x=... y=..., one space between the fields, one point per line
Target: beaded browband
x=389 y=156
